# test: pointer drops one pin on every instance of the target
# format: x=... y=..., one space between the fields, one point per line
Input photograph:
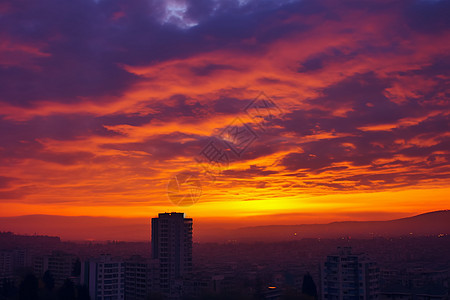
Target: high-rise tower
x=172 y=245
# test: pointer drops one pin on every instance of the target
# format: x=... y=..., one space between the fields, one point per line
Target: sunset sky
x=103 y=101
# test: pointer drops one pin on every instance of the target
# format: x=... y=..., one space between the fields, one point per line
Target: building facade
x=6 y=266
x=349 y=276
x=141 y=277
x=105 y=278
x=60 y=265
x=172 y=246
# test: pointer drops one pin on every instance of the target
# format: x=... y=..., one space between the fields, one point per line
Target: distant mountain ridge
x=432 y=223
x=138 y=229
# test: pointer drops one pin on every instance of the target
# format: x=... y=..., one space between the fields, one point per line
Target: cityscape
x=172 y=266
x=224 y=149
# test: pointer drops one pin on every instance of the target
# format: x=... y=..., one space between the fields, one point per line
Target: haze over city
x=103 y=102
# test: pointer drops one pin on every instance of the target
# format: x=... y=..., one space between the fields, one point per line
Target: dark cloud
x=180 y=108
x=15 y=151
x=318 y=61
x=250 y=172
x=429 y=16
x=84 y=44
x=363 y=147
x=208 y=69
x=165 y=147
x=17 y=193
x=62 y=127
x=79 y=62
x=231 y=106
x=23 y=139
x=87 y=41
x=5 y=181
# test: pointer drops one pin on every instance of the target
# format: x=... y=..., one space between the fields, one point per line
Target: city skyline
x=224 y=149
x=106 y=106
x=435 y=223
x=175 y=268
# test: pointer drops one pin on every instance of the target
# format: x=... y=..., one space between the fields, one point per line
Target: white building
x=348 y=276
x=105 y=278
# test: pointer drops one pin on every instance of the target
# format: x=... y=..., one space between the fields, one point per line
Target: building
x=172 y=246
x=105 y=278
x=141 y=277
x=6 y=266
x=12 y=263
x=399 y=292
x=414 y=283
x=60 y=265
x=349 y=276
x=202 y=283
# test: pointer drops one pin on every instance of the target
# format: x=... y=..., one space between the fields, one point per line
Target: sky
x=104 y=103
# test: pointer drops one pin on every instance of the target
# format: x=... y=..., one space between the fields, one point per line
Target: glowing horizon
x=100 y=106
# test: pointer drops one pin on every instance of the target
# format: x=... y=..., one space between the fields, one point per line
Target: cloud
x=5 y=181
x=105 y=100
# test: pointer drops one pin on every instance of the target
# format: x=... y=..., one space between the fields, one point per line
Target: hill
x=138 y=229
x=432 y=223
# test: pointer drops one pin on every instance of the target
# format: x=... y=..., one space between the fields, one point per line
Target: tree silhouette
x=308 y=286
x=67 y=291
x=154 y=296
x=48 y=280
x=83 y=293
x=9 y=290
x=28 y=289
x=76 y=271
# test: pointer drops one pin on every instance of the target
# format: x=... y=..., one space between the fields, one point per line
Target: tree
x=155 y=296
x=83 y=293
x=308 y=286
x=67 y=291
x=76 y=271
x=28 y=289
x=9 y=290
x=49 y=281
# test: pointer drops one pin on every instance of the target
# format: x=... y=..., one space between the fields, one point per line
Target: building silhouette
x=172 y=246
x=349 y=276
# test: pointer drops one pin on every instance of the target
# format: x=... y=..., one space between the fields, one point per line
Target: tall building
x=349 y=276
x=105 y=278
x=172 y=246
